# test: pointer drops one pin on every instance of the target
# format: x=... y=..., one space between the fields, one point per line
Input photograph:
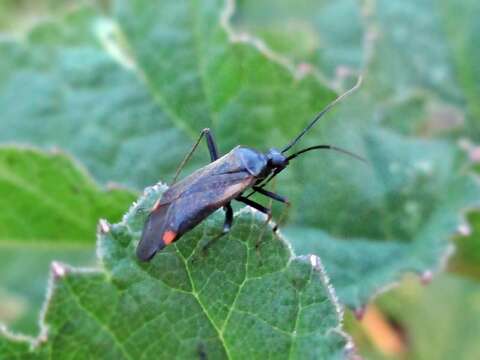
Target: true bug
x=186 y=203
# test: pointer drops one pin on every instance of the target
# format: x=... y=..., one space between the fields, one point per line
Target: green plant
x=126 y=88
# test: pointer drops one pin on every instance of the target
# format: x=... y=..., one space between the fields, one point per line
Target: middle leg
x=228 y=218
x=260 y=208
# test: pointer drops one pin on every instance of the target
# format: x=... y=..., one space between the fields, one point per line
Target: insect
x=186 y=203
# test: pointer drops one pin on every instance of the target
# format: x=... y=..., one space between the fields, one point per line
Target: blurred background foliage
x=100 y=98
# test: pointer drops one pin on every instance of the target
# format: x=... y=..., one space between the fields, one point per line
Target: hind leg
x=212 y=149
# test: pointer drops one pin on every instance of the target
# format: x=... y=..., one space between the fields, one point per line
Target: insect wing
x=204 y=198
x=204 y=177
x=188 y=202
x=156 y=234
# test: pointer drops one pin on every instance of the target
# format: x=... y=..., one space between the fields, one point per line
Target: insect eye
x=276 y=158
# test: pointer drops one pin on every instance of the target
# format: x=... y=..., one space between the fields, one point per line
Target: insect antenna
x=293 y=156
x=321 y=113
x=327 y=147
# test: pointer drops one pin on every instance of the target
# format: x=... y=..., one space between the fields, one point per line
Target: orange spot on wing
x=168 y=237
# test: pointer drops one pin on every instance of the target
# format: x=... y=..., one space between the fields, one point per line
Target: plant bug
x=186 y=203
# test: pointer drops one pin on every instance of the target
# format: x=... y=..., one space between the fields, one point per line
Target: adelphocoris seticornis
x=186 y=203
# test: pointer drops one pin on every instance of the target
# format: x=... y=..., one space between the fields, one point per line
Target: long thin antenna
x=327 y=147
x=293 y=156
x=323 y=112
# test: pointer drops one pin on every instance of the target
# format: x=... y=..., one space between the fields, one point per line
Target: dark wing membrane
x=203 y=198
x=227 y=164
x=182 y=208
x=153 y=234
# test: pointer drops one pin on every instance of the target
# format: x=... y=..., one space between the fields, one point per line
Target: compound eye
x=278 y=160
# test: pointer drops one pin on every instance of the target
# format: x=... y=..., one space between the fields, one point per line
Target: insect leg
x=260 y=208
x=211 y=143
x=279 y=198
x=265 y=182
x=212 y=149
x=255 y=205
x=226 y=226
x=282 y=217
x=228 y=218
x=271 y=195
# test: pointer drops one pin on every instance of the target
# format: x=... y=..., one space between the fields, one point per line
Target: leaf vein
x=202 y=307
x=102 y=325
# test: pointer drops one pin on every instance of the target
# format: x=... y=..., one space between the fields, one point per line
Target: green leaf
x=89 y=100
x=12 y=347
x=409 y=51
x=18 y=16
x=397 y=216
x=461 y=28
x=53 y=208
x=240 y=296
x=61 y=50
x=406 y=192
x=327 y=34
x=128 y=133
x=401 y=44
x=412 y=72
x=127 y=96
x=202 y=73
x=214 y=79
x=370 y=227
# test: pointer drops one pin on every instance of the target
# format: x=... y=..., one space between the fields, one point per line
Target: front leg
x=276 y=197
x=260 y=208
x=255 y=205
x=271 y=195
